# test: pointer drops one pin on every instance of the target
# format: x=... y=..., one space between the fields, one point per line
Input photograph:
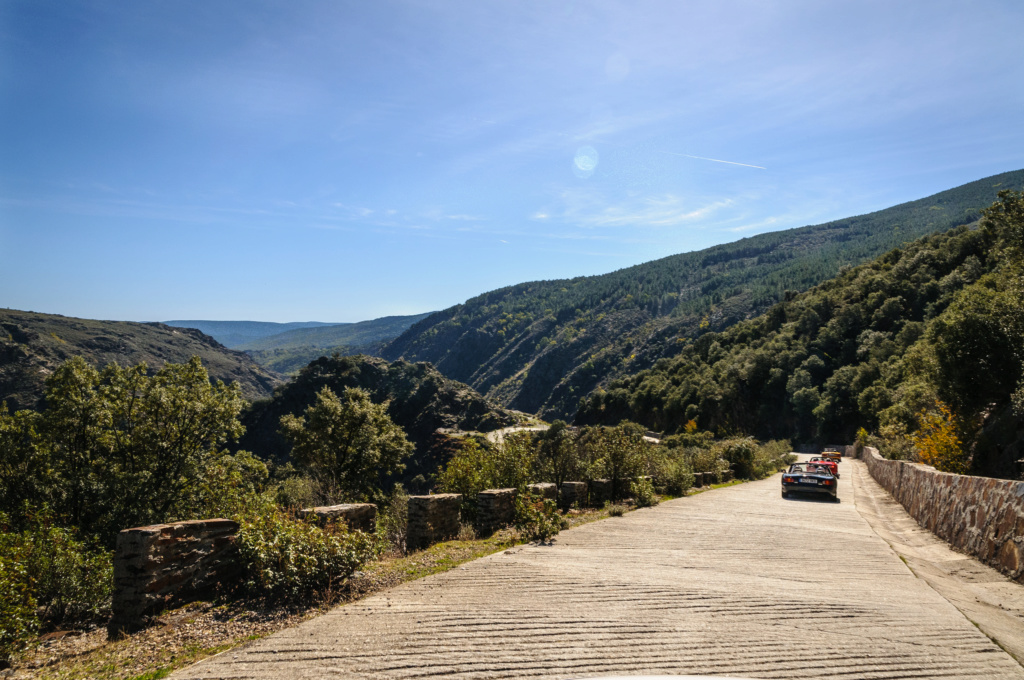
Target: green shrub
x=643 y=494
x=616 y=510
x=285 y=559
x=18 y=619
x=678 y=478
x=537 y=519
x=69 y=580
x=393 y=520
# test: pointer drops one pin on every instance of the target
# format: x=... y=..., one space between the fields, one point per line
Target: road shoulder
x=988 y=599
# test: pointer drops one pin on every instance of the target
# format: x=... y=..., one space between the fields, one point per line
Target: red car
x=830 y=464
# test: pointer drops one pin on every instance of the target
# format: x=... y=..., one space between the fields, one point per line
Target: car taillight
x=827 y=482
x=787 y=480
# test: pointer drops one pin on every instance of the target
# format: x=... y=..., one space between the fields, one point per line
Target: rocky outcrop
x=165 y=565
x=432 y=519
x=358 y=516
x=981 y=516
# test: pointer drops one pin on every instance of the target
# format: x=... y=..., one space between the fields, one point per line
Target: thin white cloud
x=667 y=210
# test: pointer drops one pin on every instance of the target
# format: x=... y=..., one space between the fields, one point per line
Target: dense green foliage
x=619 y=453
x=541 y=346
x=537 y=519
x=348 y=444
x=419 y=399
x=32 y=346
x=117 y=448
x=938 y=321
x=289 y=560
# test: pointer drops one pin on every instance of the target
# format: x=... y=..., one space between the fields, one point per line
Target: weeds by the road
x=201 y=629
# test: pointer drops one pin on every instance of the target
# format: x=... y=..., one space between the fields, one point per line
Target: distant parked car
x=827 y=462
x=809 y=478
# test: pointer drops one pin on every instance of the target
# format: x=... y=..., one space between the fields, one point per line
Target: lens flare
x=585 y=161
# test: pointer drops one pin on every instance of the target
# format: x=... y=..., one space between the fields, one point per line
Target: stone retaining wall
x=978 y=515
x=358 y=516
x=495 y=508
x=432 y=519
x=573 y=492
x=165 y=565
x=545 y=490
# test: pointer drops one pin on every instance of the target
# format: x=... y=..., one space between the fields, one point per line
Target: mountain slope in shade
x=540 y=347
x=32 y=345
x=419 y=398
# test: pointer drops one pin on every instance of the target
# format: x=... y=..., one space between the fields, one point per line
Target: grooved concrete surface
x=735 y=581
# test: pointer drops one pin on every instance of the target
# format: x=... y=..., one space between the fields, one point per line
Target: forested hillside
x=33 y=345
x=420 y=399
x=541 y=346
x=924 y=341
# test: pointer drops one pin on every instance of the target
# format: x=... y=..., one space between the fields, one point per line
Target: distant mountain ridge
x=232 y=334
x=32 y=345
x=286 y=347
x=541 y=346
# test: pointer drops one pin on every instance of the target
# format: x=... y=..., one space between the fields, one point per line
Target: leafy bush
x=393 y=520
x=18 y=619
x=643 y=494
x=69 y=580
x=678 y=477
x=285 y=559
x=771 y=457
x=740 y=453
x=616 y=510
x=893 y=442
x=537 y=519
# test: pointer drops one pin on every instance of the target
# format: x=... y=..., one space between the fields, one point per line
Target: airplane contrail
x=716 y=160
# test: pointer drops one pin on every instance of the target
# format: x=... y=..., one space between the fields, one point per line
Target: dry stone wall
x=600 y=491
x=573 y=493
x=432 y=519
x=165 y=565
x=358 y=516
x=545 y=490
x=979 y=515
x=495 y=508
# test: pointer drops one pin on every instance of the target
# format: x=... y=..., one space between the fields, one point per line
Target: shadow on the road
x=810 y=498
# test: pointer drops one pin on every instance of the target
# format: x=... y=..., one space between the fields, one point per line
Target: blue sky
x=340 y=161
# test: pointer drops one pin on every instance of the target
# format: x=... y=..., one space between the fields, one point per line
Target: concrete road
x=736 y=582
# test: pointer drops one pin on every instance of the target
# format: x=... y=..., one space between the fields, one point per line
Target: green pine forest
x=540 y=347
x=930 y=335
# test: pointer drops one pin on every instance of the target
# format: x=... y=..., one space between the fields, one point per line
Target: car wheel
x=785 y=494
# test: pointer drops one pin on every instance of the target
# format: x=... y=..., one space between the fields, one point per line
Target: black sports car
x=808 y=478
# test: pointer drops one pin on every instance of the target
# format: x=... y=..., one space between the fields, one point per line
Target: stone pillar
x=698 y=479
x=600 y=491
x=545 y=490
x=573 y=492
x=727 y=476
x=358 y=516
x=432 y=519
x=166 y=565
x=495 y=508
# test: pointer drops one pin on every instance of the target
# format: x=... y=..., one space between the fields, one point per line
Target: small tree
x=558 y=454
x=938 y=443
x=348 y=442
